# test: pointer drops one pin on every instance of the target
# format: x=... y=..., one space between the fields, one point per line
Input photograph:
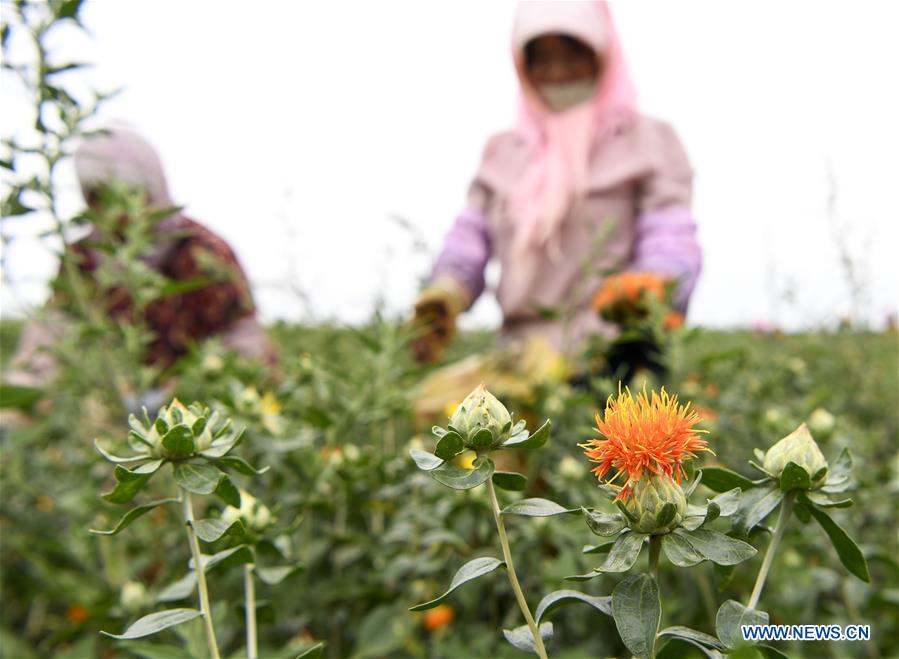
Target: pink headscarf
x=562 y=143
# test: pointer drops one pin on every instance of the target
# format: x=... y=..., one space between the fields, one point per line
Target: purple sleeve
x=466 y=250
x=666 y=244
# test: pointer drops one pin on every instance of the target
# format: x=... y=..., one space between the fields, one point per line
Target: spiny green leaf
x=199 y=478
x=510 y=480
x=424 y=460
x=530 y=441
x=719 y=479
x=717 y=547
x=463 y=479
x=210 y=530
x=522 y=639
x=560 y=598
x=850 y=555
x=604 y=524
x=155 y=622
x=637 y=610
x=449 y=446
x=468 y=572
x=537 y=507
x=731 y=617
x=133 y=514
x=794 y=477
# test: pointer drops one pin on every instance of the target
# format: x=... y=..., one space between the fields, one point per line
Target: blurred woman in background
x=214 y=298
x=583 y=186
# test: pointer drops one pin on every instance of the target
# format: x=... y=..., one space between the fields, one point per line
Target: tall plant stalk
x=201 y=574
x=513 y=577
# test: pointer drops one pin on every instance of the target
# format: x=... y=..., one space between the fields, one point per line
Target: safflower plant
x=198 y=444
x=641 y=456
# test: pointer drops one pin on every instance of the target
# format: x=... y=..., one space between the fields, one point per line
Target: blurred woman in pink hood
x=583 y=185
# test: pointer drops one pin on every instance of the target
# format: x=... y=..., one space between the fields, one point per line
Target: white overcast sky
x=298 y=129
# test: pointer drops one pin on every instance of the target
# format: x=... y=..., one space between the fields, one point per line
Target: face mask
x=561 y=96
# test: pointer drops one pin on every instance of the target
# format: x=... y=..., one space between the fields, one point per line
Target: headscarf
x=119 y=153
x=561 y=143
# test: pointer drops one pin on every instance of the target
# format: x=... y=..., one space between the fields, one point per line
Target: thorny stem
x=655 y=547
x=201 y=574
x=513 y=578
x=785 y=509
x=249 y=587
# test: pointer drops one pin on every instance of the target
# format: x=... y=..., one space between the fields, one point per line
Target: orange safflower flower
x=674 y=320
x=644 y=434
x=438 y=617
x=77 y=613
x=627 y=287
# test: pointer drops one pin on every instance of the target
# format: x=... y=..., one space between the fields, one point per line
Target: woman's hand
x=434 y=323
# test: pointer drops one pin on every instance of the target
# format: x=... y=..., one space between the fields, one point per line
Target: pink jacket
x=634 y=215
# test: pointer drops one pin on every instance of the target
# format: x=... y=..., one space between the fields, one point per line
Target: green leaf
x=850 y=555
x=755 y=506
x=637 y=609
x=133 y=514
x=560 y=598
x=226 y=440
x=275 y=575
x=719 y=479
x=116 y=459
x=179 y=442
x=197 y=477
x=510 y=480
x=699 y=639
x=679 y=551
x=537 y=507
x=823 y=500
x=666 y=514
x=313 y=652
x=696 y=479
x=240 y=465
x=180 y=589
x=155 y=622
x=530 y=440
x=731 y=617
x=770 y=652
x=603 y=548
x=839 y=476
x=481 y=440
x=463 y=479
x=449 y=446
x=717 y=547
x=604 y=524
x=239 y=555
x=723 y=505
x=522 y=638
x=468 y=572
x=583 y=577
x=128 y=484
x=794 y=477
x=228 y=492
x=424 y=460
x=210 y=530
x=624 y=553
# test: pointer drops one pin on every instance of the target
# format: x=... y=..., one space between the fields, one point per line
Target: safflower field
x=351 y=502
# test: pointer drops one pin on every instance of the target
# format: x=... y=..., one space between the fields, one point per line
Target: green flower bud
x=799 y=447
x=481 y=410
x=171 y=416
x=646 y=503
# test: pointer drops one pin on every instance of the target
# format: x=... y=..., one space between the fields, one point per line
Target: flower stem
x=785 y=509
x=249 y=587
x=655 y=547
x=513 y=578
x=201 y=574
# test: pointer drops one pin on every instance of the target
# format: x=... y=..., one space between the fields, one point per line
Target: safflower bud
x=644 y=508
x=482 y=410
x=798 y=447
